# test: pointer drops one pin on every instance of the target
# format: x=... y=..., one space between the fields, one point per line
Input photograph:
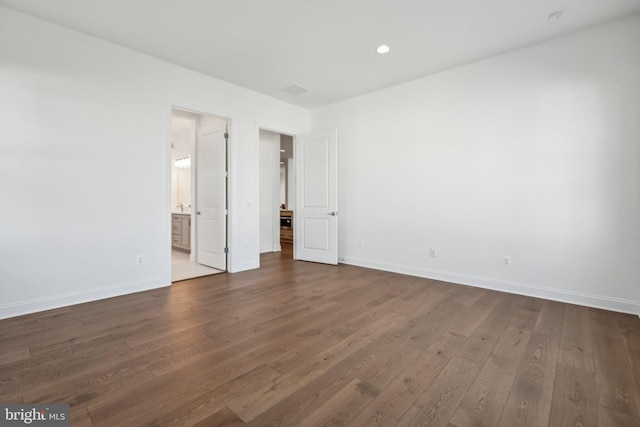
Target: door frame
x=275 y=199
x=200 y=110
x=282 y=130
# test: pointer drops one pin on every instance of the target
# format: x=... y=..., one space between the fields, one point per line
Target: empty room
x=320 y=212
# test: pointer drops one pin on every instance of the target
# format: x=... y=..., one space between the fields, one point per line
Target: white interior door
x=316 y=215
x=210 y=197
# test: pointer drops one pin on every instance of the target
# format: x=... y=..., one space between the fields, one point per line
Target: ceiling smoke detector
x=382 y=49
x=295 y=89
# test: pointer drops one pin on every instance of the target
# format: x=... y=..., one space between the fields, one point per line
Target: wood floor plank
x=575 y=398
x=611 y=418
x=371 y=359
x=225 y=417
x=484 y=338
x=529 y=402
x=52 y=334
x=425 y=325
x=349 y=344
x=551 y=318
x=617 y=389
x=360 y=318
x=370 y=340
x=527 y=314
x=397 y=397
x=11 y=398
x=381 y=368
x=346 y=322
x=79 y=417
x=191 y=382
x=340 y=408
x=305 y=348
x=469 y=295
x=203 y=406
x=14 y=356
x=311 y=313
x=575 y=346
x=436 y=405
x=296 y=343
x=16 y=376
x=89 y=386
x=468 y=319
x=486 y=396
x=510 y=303
x=181 y=356
x=86 y=373
x=629 y=326
x=158 y=388
x=251 y=338
x=418 y=297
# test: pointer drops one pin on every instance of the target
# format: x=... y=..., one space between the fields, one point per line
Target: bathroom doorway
x=277 y=193
x=198 y=194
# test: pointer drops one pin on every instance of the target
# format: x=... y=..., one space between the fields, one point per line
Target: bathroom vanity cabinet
x=181 y=232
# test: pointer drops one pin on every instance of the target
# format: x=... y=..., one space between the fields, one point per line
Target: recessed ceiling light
x=382 y=49
x=555 y=16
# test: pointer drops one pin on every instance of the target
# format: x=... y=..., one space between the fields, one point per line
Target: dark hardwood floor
x=304 y=344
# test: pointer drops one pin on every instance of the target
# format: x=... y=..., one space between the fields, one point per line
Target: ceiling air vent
x=295 y=89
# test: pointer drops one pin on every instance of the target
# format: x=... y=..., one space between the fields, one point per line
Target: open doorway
x=198 y=194
x=277 y=193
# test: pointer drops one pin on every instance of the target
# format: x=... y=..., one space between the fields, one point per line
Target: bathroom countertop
x=180 y=213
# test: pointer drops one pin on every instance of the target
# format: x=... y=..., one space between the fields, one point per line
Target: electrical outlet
x=506 y=261
x=140 y=259
x=432 y=253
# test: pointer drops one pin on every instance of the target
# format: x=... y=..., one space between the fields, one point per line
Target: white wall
x=533 y=154
x=76 y=211
x=269 y=191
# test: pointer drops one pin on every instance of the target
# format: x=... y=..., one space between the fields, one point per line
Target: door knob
x=332 y=213
x=198 y=213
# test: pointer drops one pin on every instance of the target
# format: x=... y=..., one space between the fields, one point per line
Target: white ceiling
x=327 y=46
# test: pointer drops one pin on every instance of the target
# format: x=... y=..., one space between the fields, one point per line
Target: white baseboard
x=244 y=267
x=56 y=301
x=269 y=249
x=561 y=295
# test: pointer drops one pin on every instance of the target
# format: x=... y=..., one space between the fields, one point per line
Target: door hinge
x=226 y=174
x=226 y=135
x=226 y=211
x=226 y=250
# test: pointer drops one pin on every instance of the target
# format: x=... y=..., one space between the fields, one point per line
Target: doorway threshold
x=182 y=268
